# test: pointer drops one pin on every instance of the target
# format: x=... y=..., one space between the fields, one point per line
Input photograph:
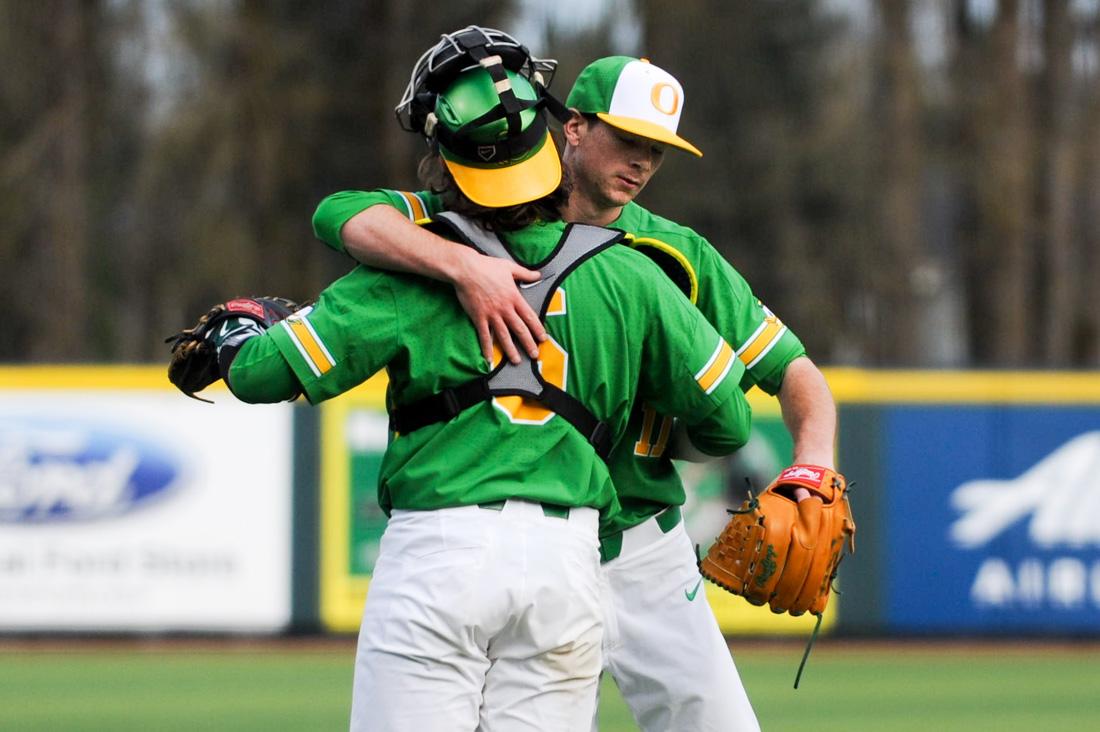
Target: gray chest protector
x=578 y=242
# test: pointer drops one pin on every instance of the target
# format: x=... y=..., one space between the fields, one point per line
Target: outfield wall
x=127 y=507
x=978 y=502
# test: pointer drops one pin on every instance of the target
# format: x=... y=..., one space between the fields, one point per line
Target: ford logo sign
x=54 y=470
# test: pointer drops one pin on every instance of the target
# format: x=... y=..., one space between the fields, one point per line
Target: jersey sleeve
x=691 y=372
x=763 y=344
x=761 y=341
x=260 y=374
x=335 y=210
x=342 y=340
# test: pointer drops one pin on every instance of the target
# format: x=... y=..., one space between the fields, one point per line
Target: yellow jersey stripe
x=713 y=357
x=415 y=206
x=760 y=342
x=421 y=208
x=764 y=352
x=408 y=206
x=320 y=343
x=285 y=325
x=310 y=346
x=711 y=375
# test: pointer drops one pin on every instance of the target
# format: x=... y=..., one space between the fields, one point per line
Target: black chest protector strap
x=578 y=243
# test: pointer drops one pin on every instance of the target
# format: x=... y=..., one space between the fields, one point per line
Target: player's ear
x=574 y=127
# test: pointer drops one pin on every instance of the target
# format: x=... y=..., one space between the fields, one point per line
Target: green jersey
x=644 y=477
x=618 y=330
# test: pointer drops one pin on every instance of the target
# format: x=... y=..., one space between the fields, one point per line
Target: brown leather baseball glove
x=784 y=552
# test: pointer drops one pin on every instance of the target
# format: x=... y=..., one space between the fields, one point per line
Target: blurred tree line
x=906 y=182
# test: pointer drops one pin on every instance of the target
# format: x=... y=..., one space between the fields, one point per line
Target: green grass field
x=234 y=685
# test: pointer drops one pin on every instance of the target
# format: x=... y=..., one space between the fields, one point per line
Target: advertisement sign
x=999 y=528
x=354 y=437
x=354 y=434
x=137 y=509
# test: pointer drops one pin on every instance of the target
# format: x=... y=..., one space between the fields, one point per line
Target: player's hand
x=486 y=288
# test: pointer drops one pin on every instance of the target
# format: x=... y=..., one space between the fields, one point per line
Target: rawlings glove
x=202 y=354
x=784 y=552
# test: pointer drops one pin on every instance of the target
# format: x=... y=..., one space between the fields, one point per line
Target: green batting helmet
x=494 y=138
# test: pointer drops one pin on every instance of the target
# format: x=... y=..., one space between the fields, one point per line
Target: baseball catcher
x=782 y=551
x=203 y=353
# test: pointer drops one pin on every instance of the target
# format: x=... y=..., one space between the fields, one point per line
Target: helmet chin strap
x=552 y=104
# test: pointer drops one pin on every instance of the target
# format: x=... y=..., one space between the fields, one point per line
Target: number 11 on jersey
x=656 y=430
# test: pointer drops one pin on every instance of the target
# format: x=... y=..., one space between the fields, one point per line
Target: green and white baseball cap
x=632 y=95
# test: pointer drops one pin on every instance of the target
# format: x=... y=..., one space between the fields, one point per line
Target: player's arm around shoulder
x=688 y=370
x=380 y=229
x=335 y=210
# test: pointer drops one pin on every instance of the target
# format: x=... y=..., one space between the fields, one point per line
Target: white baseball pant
x=481 y=619
x=662 y=644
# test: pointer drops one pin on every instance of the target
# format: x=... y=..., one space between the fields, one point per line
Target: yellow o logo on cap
x=657 y=98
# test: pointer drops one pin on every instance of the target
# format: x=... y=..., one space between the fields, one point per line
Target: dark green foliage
x=895 y=208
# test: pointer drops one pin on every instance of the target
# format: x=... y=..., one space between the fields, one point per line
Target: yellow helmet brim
x=497 y=187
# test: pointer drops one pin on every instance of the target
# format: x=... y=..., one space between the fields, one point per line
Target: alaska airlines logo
x=62 y=470
x=1061 y=494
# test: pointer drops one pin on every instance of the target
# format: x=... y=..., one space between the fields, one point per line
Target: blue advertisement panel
x=992 y=518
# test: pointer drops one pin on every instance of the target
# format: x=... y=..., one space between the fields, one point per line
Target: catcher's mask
x=460 y=51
